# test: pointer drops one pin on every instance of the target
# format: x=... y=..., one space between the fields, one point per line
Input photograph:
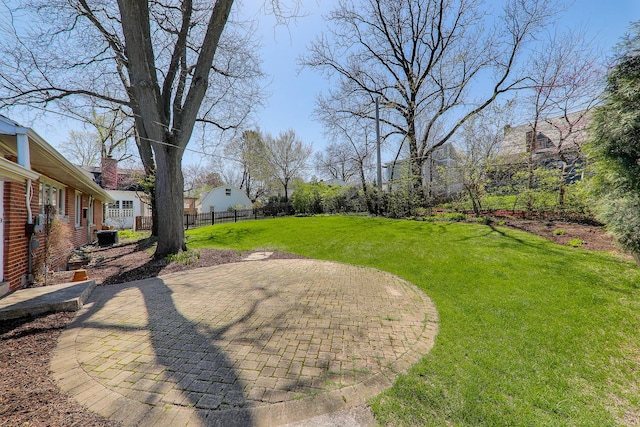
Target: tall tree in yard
x=169 y=64
x=351 y=156
x=566 y=79
x=247 y=170
x=110 y=138
x=422 y=58
x=614 y=139
x=478 y=150
x=286 y=157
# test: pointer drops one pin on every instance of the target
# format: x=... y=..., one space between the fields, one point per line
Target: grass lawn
x=531 y=333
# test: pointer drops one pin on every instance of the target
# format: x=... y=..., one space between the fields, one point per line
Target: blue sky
x=293 y=92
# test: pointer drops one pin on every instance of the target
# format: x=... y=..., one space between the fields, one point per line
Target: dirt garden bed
x=28 y=395
x=594 y=238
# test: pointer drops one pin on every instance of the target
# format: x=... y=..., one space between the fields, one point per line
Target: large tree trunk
x=146 y=155
x=371 y=208
x=167 y=130
x=286 y=190
x=169 y=200
x=416 y=161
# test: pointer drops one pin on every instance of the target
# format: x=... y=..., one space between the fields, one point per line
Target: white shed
x=222 y=198
x=128 y=205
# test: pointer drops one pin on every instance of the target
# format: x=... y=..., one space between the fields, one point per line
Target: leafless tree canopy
x=109 y=135
x=82 y=148
x=58 y=48
x=286 y=157
x=426 y=60
x=200 y=177
x=247 y=169
x=335 y=162
x=170 y=63
x=567 y=79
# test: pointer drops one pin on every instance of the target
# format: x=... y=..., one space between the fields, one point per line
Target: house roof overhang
x=10 y=171
x=46 y=160
x=50 y=162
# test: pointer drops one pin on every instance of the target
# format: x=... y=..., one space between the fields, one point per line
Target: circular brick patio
x=251 y=343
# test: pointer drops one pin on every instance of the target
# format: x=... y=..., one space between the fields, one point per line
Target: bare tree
x=110 y=137
x=335 y=162
x=567 y=79
x=115 y=130
x=355 y=146
x=199 y=177
x=286 y=157
x=478 y=151
x=248 y=168
x=82 y=148
x=422 y=58
x=169 y=64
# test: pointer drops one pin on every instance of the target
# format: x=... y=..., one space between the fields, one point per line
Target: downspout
x=29 y=196
x=90 y=214
x=24 y=160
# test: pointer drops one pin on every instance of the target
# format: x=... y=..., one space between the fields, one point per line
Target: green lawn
x=531 y=333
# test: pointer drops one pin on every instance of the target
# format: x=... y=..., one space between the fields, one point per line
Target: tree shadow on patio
x=182 y=366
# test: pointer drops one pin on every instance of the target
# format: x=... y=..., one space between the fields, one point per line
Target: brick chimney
x=109 y=169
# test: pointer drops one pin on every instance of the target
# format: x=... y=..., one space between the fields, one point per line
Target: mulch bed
x=28 y=395
x=595 y=237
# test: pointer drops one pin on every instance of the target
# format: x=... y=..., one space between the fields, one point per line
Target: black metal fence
x=211 y=218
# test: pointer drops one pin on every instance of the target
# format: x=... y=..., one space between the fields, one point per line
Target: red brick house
x=35 y=179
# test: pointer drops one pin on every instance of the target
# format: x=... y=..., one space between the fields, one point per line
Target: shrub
x=57 y=246
x=401 y=202
x=558 y=232
x=307 y=198
x=576 y=243
x=620 y=213
x=187 y=257
x=317 y=198
x=453 y=216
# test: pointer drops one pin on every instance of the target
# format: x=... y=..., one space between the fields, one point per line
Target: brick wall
x=79 y=235
x=15 y=241
x=16 y=257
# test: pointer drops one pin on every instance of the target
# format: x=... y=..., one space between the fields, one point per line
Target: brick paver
x=251 y=343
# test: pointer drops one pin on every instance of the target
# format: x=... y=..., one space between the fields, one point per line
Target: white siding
x=222 y=198
x=128 y=205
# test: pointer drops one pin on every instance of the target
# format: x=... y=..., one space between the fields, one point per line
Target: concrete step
x=45 y=299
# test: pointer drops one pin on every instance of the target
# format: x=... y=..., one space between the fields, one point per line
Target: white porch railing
x=119 y=213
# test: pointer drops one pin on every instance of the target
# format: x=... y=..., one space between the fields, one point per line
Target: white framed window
x=90 y=213
x=127 y=204
x=52 y=194
x=78 y=207
x=62 y=205
x=227 y=191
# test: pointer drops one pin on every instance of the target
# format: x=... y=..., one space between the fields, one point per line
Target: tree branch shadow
x=203 y=377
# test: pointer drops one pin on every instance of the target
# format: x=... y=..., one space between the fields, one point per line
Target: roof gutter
x=69 y=167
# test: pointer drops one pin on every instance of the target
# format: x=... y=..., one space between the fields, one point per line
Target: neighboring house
x=438 y=173
x=558 y=141
x=334 y=182
x=223 y=198
x=33 y=175
x=123 y=186
x=190 y=205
